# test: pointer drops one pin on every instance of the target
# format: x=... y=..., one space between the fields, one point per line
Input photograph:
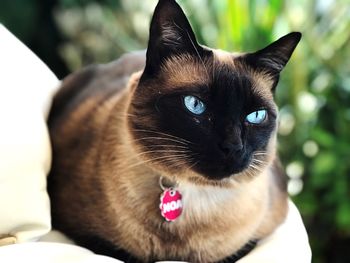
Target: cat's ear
x=274 y=57
x=170 y=34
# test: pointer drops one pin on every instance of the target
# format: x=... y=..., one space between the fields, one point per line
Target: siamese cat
x=170 y=155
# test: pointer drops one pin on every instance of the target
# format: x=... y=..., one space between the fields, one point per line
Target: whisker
x=166 y=157
x=129 y=114
x=260 y=153
x=162 y=133
x=254 y=167
x=250 y=173
x=174 y=154
x=160 y=138
x=180 y=164
x=162 y=146
x=123 y=115
x=257 y=161
x=161 y=151
x=192 y=165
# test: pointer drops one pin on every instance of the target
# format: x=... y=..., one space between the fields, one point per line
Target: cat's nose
x=229 y=148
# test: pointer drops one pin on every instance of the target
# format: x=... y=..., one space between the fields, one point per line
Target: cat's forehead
x=184 y=70
x=187 y=70
x=222 y=57
x=259 y=81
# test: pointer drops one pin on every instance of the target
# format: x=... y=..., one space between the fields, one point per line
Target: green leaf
x=323 y=169
x=323 y=137
x=343 y=216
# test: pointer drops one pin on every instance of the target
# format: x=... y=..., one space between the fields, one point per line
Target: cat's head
x=205 y=114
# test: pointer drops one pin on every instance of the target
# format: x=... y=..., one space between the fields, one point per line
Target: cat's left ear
x=274 y=57
x=170 y=34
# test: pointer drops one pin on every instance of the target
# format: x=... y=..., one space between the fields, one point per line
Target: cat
x=182 y=120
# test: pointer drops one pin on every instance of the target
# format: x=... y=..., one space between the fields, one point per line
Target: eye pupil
x=256 y=117
x=194 y=105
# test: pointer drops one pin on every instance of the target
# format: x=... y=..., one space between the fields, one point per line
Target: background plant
x=313 y=94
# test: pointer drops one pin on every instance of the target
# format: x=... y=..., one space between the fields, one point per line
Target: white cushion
x=42 y=252
x=26 y=86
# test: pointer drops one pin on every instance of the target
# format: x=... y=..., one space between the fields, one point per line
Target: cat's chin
x=225 y=182
x=222 y=175
x=228 y=169
x=222 y=178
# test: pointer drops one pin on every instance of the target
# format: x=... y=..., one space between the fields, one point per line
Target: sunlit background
x=313 y=94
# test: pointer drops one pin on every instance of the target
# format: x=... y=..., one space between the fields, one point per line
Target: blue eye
x=194 y=105
x=256 y=117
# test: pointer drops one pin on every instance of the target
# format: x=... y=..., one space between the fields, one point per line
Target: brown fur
x=100 y=184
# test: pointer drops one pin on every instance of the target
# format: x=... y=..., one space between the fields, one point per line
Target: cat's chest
x=201 y=203
x=216 y=219
x=205 y=205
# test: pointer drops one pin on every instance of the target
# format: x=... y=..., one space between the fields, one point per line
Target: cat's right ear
x=170 y=34
x=273 y=58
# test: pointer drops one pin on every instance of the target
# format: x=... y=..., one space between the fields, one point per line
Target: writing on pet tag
x=171 y=204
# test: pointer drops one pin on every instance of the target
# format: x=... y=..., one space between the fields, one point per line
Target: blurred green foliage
x=313 y=94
